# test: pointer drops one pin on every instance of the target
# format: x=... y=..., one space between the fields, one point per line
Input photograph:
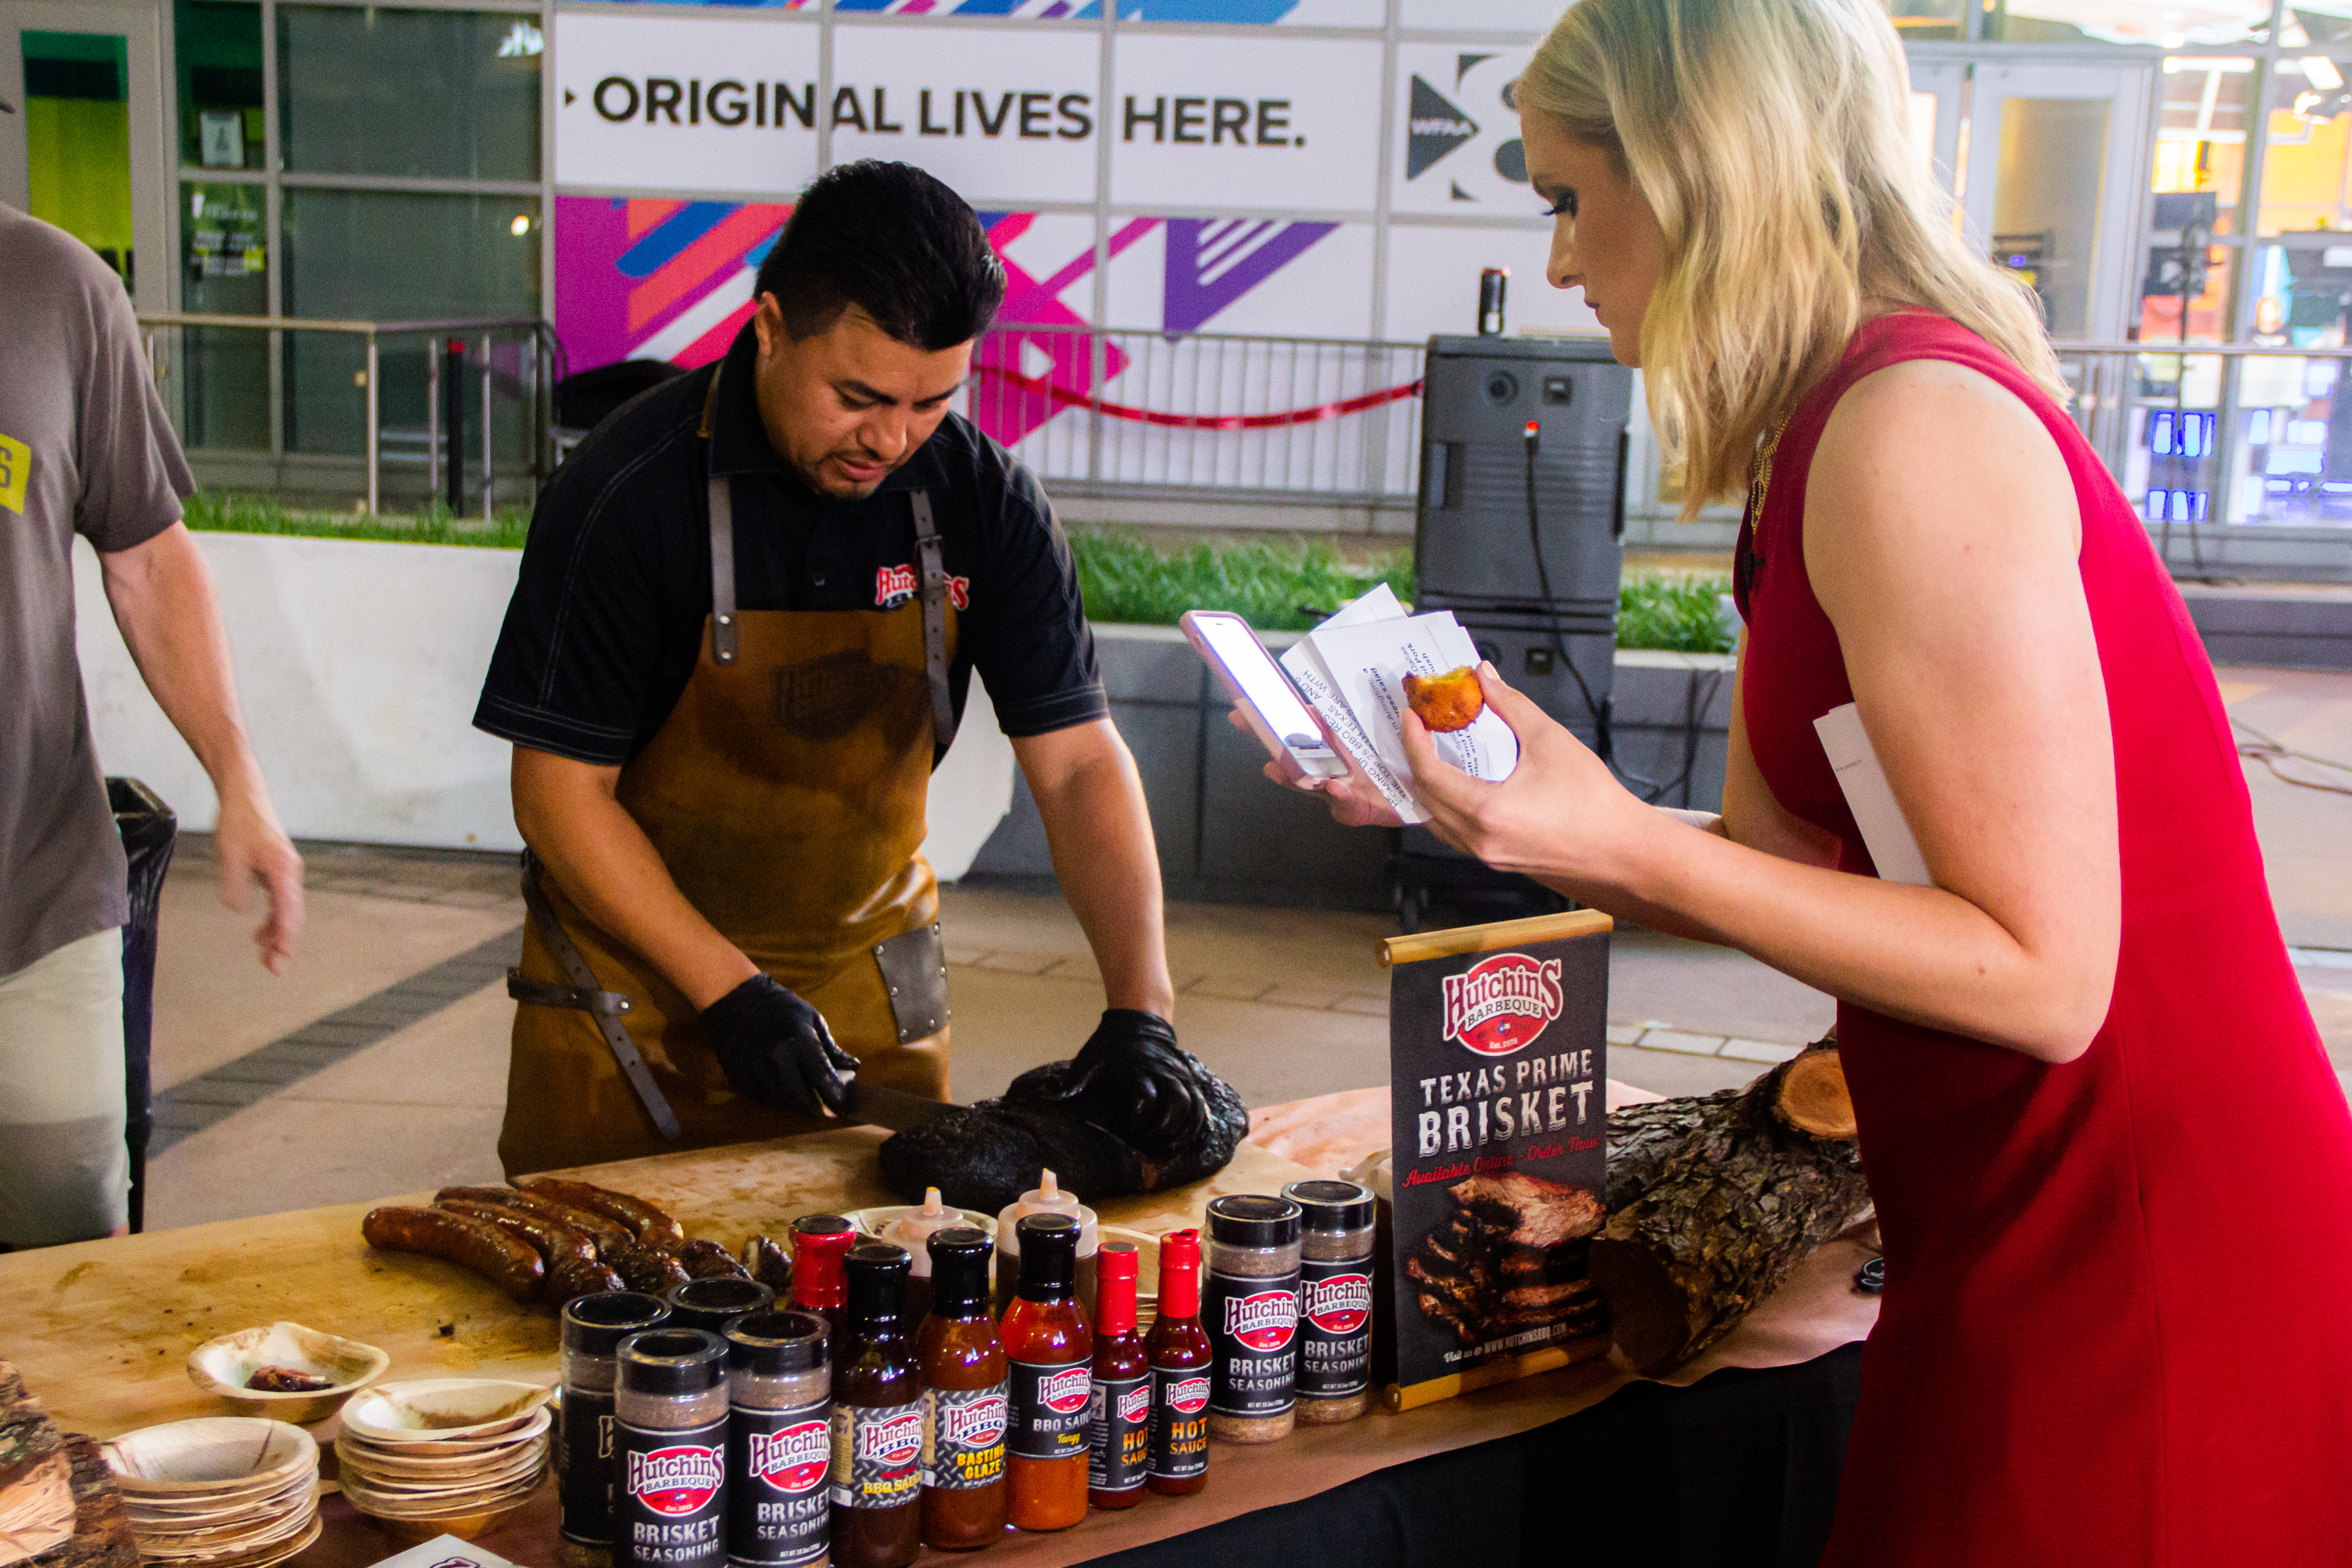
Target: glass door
x=83 y=144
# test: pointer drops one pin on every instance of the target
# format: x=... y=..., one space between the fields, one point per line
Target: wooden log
x=1716 y=1200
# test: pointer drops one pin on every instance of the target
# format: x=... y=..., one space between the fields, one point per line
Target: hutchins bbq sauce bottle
x=877 y=1419
x=1052 y=1352
x=779 y=1440
x=1118 y=1419
x=966 y=1397
x=1178 y=1349
x=669 y=1431
x=1249 y=1304
x=594 y=1328
x=820 y=1243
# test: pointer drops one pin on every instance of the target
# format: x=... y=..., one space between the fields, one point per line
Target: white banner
x=1004 y=117
x=681 y=103
x=1457 y=148
x=1279 y=123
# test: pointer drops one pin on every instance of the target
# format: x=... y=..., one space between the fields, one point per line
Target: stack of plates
x=443 y=1455
x=225 y=1493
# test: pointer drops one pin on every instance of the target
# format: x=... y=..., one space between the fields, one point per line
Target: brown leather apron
x=785 y=794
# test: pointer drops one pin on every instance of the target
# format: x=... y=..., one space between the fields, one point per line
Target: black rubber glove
x=776 y=1049
x=1132 y=1079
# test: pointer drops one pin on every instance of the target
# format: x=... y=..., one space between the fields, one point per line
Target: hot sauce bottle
x=1118 y=1419
x=820 y=1242
x=1178 y=1350
x=965 y=1398
x=877 y=1419
x=1052 y=1353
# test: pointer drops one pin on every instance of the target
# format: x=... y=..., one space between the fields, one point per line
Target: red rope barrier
x=1040 y=387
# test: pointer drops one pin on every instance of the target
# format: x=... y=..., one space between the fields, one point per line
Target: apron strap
x=603 y=1006
x=935 y=618
x=722 y=537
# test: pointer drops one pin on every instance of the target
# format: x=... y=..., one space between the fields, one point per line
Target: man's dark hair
x=896 y=243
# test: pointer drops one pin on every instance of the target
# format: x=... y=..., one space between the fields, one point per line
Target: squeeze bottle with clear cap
x=1046 y=1197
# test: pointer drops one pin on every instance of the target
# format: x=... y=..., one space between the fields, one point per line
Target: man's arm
x=162 y=599
x=569 y=816
x=1084 y=781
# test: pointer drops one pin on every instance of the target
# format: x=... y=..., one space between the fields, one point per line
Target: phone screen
x=1261 y=680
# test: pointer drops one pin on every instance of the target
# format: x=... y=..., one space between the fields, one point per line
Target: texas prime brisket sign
x=1496 y=1060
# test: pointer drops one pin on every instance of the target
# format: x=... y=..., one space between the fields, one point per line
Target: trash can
x=149 y=831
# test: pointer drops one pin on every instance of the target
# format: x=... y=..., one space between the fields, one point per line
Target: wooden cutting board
x=101 y=1330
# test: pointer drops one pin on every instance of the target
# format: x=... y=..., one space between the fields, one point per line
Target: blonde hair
x=1772 y=138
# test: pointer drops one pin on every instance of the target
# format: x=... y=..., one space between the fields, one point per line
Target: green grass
x=217 y=513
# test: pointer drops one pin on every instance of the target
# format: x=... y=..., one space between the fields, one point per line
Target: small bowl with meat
x=285 y=1371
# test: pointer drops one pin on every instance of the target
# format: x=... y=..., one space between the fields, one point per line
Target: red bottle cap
x=1179 y=1274
x=820 y=1242
x=1116 y=1266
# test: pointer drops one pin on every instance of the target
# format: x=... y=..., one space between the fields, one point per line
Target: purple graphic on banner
x=1212 y=262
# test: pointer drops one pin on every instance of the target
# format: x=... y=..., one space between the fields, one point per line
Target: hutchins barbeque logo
x=1264 y=1322
x=1189 y=1395
x=794 y=1459
x=1499 y=1006
x=1339 y=1304
x=1065 y=1392
x=1135 y=1403
x=677 y=1482
x=974 y=1425
x=892 y=1442
x=894 y=585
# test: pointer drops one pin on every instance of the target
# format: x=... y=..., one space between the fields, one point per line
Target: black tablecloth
x=1739 y=1470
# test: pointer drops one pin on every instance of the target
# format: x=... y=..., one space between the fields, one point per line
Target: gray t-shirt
x=84 y=448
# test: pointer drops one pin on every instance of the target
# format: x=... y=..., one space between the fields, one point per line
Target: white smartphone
x=1278 y=715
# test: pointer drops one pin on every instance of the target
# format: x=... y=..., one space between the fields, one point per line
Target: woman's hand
x=1561 y=815
x=1355 y=801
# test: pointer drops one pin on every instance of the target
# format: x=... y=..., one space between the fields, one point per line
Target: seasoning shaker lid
x=595 y=1324
x=1331 y=1205
x=877 y=1282
x=1049 y=1256
x=959 y=1259
x=714 y=1303
x=777 y=1345
x=1252 y=1219
x=672 y=1360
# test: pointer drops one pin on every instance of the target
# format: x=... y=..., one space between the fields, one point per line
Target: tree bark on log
x=1714 y=1200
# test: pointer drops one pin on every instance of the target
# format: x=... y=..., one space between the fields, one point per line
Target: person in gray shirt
x=85 y=448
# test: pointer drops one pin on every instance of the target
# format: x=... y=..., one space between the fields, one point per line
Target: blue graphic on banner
x=1232 y=13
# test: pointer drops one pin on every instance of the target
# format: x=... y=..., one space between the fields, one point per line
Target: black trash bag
x=150 y=832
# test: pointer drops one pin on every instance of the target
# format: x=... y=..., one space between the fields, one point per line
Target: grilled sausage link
x=648 y=1223
x=573 y=1279
x=648 y=1268
x=509 y=1264
x=554 y=1242
x=599 y=1228
x=766 y=1260
x=709 y=1260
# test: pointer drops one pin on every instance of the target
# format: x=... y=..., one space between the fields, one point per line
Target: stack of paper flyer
x=1352 y=669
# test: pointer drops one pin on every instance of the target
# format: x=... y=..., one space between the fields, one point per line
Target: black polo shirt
x=608 y=617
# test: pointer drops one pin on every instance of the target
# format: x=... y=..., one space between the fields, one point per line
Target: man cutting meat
x=747 y=619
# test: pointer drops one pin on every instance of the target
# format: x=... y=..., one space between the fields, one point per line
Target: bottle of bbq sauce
x=877 y=1419
x=820 y=1242
x=1119 y=1421
x=1180 y=1356
x=965 y=1398
x=1052 y=1352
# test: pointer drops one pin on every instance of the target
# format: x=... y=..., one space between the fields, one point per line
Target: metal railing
x=519 y=359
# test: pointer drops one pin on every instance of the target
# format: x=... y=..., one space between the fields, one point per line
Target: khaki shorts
x=64 y=1172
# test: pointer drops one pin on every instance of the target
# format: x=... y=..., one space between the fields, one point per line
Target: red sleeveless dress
x=2117 y=1323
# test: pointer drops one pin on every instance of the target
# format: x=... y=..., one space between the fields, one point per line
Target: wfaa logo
x=1065 y=1392
x=1264 y=1322
x=977 y=1425
x=1500 y=1006
x=1190 y=1395
x=1340 y=1304
x=792 y=1460
x=892 y=1442
x=678 y=1482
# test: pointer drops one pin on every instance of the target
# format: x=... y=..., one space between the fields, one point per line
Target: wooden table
x=101 y=1330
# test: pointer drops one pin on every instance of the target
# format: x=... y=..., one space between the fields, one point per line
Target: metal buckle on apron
x=603 y=1006
x=914 y=967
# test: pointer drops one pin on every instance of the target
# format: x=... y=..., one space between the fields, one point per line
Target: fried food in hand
x=1447 y=702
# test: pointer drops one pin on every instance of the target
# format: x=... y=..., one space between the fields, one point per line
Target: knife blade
x=873 y=1105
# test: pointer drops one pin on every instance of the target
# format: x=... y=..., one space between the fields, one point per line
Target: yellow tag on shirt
x=15 y=467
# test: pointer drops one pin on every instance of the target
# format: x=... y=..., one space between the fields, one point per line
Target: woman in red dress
x=2113 y=1166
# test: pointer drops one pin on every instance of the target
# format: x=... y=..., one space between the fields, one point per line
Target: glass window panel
x=389 y=257
x=366 y=91
x=2046 y=206
x=1928 y=21
x=2303 y=168
x=217 y=49
x=2202 y=317
x=222 y=391
x=2162 y=23
x=78 y=138
x=2200 y=138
